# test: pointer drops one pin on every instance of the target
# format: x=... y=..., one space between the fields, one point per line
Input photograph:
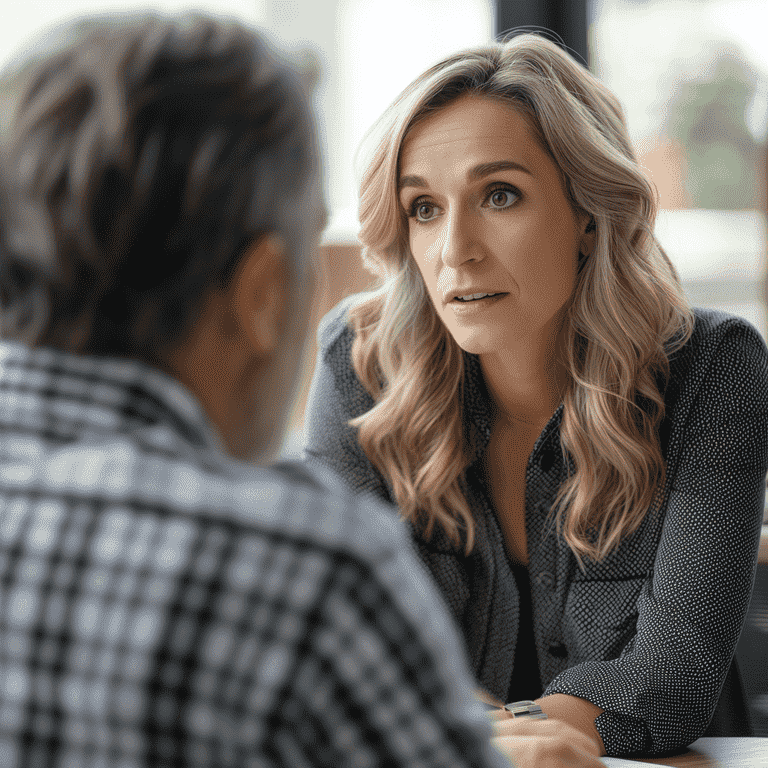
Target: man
x=165 y=599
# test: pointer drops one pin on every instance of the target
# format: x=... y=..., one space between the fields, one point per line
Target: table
x=731 y=752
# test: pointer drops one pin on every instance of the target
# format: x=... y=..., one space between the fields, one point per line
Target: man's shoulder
x=310 y=504
x=305 y=508
x=292 y=500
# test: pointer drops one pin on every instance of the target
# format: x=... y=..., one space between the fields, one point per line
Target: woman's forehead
x=469 y=112
x=471 y=127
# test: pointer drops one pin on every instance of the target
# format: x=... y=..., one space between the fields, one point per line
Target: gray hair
x=143 y=156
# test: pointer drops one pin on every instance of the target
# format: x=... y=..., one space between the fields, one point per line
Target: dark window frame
x=567 y=19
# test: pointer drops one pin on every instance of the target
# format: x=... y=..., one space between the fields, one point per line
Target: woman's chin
x=478 y=342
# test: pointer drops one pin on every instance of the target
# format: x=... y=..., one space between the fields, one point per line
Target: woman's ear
x=258 y=294
x=587 y=245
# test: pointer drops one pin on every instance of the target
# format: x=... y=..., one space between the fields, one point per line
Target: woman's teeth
x=474 y=296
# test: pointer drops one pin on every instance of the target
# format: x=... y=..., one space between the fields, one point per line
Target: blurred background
x=692 y=76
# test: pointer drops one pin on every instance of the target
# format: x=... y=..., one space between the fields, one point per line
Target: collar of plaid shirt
x=101 y=396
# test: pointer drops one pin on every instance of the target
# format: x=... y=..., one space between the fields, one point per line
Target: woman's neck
x=526 y=383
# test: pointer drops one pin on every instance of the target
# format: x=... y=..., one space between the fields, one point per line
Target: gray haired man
x=166 y=599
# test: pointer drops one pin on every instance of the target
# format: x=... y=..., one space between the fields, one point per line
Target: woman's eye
x=502 y=198
x=423 y=211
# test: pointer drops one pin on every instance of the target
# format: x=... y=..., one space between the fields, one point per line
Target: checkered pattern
x=647 y=634
x=161 y=605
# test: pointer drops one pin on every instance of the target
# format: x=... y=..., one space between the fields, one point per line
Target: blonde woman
x=580 y=456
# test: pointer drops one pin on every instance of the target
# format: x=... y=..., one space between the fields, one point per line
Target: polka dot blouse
x=649 y=633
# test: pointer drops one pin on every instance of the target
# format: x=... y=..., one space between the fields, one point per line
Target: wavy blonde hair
x=628 y=313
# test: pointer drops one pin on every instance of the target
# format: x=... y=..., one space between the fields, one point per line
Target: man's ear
x=258 y=293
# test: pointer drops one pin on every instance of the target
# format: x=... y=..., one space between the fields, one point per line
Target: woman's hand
x=551 y=743
x=543 y=743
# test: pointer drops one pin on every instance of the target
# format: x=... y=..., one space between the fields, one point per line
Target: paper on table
x=618 y=762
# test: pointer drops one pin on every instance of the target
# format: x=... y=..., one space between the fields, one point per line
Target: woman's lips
x=469 y=308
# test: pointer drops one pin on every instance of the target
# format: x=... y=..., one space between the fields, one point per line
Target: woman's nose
x=459 y=243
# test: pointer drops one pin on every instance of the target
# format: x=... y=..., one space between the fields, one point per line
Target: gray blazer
x=647 y=634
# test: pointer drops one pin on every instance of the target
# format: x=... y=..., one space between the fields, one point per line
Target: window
x=692 y=79
x=369 y=51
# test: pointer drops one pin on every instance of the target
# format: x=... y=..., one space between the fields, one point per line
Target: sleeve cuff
x=623 y=734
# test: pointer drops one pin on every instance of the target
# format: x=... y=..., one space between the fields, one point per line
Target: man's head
x=154 y=171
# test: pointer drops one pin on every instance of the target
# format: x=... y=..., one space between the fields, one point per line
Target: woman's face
x=487 y=213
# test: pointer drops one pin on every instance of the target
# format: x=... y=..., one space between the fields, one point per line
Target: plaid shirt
x=163 y=605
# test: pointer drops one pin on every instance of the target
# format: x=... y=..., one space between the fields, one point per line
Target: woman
x=580 y=456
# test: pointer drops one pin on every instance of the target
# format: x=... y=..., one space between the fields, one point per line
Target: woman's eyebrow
x=486 y=169
x=475 y=173
x=411 y=181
